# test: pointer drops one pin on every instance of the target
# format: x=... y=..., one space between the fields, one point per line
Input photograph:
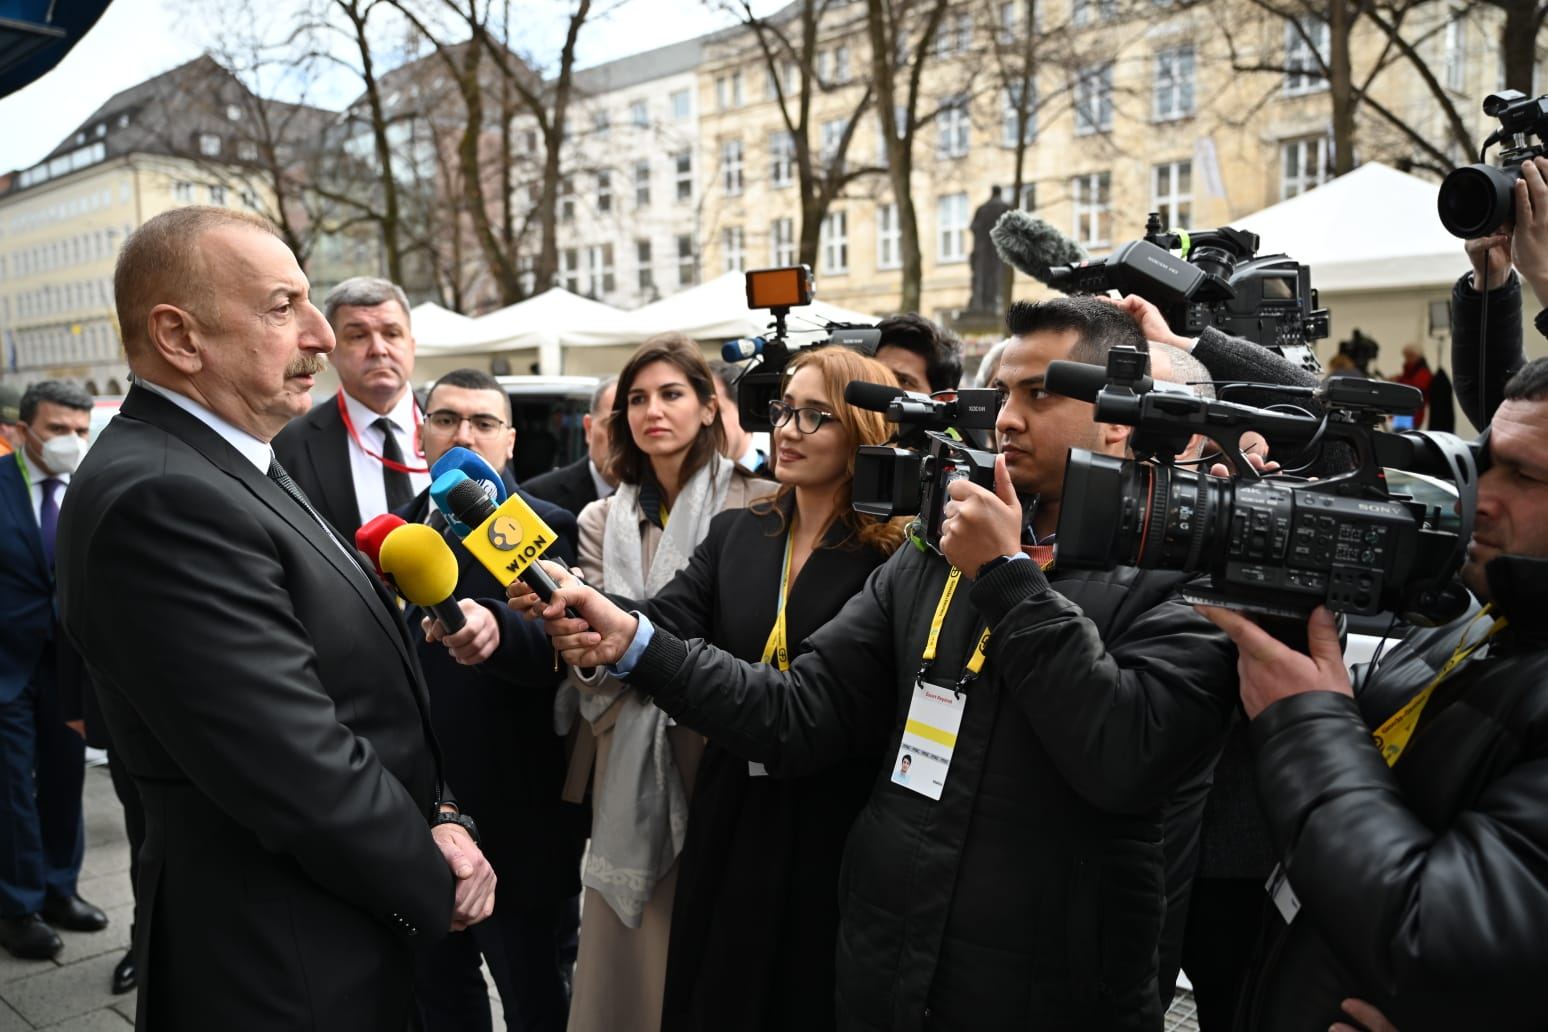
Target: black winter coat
x=1424 y=887
x=1503 y=352
x=1031 y=895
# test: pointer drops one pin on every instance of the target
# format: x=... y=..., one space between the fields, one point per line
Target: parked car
x=547 y=412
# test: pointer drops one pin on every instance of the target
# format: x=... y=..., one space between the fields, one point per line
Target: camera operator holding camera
x=1007 y=870
x=1408 y=811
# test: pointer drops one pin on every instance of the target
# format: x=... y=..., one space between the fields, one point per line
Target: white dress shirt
x=598 y=481
x=35 y=477
x=370 y=492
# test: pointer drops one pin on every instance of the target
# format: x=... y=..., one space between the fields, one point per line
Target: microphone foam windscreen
x=478 y=471
x=1030 y=245
x=369 y=537
x=420 y=564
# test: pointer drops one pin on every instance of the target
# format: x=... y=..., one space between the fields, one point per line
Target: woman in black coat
x=756 y=912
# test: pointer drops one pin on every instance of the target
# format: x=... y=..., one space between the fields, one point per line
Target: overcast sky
x=137 y=39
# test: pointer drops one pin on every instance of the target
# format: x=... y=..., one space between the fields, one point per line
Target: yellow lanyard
x=1394 y=734
x=975 y=662
x=777 y=648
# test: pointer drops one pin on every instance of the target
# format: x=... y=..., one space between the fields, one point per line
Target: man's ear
x=586 y=424
x=175 y=338
x=1114 y=437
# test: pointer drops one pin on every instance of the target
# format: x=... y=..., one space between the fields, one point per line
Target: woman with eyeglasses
x=666 y=441
x=756 y=913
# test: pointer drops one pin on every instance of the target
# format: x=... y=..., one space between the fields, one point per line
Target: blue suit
x=41 y=760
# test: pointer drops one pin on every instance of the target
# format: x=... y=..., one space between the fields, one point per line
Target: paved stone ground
x=70 y=993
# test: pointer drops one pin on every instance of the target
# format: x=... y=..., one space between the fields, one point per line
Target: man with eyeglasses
x=491 y=692
x=355 y=455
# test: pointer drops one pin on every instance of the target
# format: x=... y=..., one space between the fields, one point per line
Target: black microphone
x=470 y=505
x=873 y=397
x=1032 y=246
x=1082 y=381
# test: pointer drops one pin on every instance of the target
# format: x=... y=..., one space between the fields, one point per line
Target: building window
x=1085 y=12
x=642 y=183
x=247 y=150
x=1306 y=164
x=687 y=263
x=951 y=219
x=1091 y=197
x=889 y=237
x=782 y=245
x=683 y=164
x=781 y=159
x=841 y=64
x=728 y=91
x=1094 y=99
x=601 y=121
x=599 y=261
x=1306 y=52
x=1174 y=83
x=647 y=275
x=218 y=196
x=639 y=114
x=1454 y=50
x=955 y=34
x=1171 y=193
x=233 y=113
x=832 y=141
x=567 y=197
x=1009 y=15
x=1028 y=196
x=604 y=191
x=182 y=192
x=732 y=250
x=834 y=242
x=569 y=270
x=951 y=129
x=1018 y=128
x=209 y=145
x=682 y=104
x=249 y=201
x=731 y=167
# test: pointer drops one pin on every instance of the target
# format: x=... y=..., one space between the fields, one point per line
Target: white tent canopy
x=718 y=310
x=1373 y=229
x=551 y=319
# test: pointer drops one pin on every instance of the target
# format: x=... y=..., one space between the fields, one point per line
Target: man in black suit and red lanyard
x=259 y=684
x=357 y=454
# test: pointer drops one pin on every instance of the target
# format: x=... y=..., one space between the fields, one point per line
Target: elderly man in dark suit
x=258 y=683
x=356 y=455
x=492 y=700
x=577 y=485
x=41 y=760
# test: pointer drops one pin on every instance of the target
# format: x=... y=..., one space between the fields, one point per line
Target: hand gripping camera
x=1276 y=546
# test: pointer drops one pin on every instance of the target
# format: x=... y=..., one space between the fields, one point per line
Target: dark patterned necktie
x=48 y=518
x=400 y=489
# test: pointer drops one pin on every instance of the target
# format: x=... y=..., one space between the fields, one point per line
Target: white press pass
x=929 y=738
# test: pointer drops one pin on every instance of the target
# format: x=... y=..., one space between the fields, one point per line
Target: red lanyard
x=354 y=435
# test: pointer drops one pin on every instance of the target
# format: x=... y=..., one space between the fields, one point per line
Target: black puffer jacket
x=1030 y=896
x=1423 y=888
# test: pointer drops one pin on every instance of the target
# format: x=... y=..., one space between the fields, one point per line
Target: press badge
x=929 y=738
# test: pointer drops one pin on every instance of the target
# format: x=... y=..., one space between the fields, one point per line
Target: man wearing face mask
x=41 y=760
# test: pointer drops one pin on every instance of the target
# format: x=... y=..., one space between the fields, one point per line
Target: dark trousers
x=1225 y=920
x=134 y=817
x=42 y=771
x=522 y=947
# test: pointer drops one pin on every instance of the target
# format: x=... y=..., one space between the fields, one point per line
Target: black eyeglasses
x=807 y=420
x=447 y=422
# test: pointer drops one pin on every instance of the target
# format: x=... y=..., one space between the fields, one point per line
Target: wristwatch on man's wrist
x=458 y=818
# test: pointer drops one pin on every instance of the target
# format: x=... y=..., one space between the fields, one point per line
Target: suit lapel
x=14 y=497
x=149 y=407
x=328 y=448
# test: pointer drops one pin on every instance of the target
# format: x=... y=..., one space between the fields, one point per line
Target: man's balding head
x=162 y=263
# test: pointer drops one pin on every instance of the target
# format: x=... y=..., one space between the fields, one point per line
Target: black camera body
x=1277 y=546
x=907 y=481
x=1475 y=200
x=1217 y=279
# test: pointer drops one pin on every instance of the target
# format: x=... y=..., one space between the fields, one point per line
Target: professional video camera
x=1216 y=279
x=1275 y=545
x=1475 y=200
x=780 y=290
x=893 y=480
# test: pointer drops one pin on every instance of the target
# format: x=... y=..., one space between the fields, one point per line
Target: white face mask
x=63 y=453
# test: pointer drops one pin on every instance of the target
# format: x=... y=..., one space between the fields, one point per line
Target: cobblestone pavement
x=70 y=993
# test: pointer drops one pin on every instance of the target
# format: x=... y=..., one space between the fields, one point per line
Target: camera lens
x=1475 y=200
x=1116 y=511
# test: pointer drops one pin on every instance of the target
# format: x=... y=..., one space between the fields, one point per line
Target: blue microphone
x=742 y=348
x=474 y=468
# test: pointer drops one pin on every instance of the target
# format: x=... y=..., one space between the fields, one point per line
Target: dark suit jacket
x=569 y=487
x=26 y=585
x=495 y=722
x=265 y=697
x=314 y=449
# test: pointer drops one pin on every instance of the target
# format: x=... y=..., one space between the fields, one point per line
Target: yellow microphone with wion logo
x=507 y=539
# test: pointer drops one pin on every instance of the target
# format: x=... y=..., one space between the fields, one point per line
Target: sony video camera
x=1216 y=279
x=780 y=290
x=1275 y=545
x=1475 y=200
x=894 y=480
